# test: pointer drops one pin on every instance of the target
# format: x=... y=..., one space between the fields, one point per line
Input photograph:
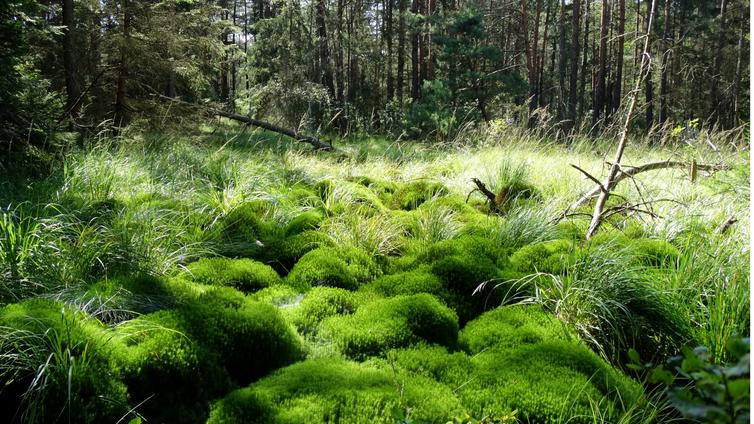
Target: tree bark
x=72 y=88
x=326 y=77
x=620 y=42
x=664 y=86
x=739 y=69
x=600 y=91
x=389 y=46
x=717 y=65
x=575 y=51
x=120 y=117
x=584 y=62
x=562 y=60
x=401 y=50
x=415 y=90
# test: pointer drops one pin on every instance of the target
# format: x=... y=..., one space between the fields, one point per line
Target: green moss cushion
x=246 y=275
x=554 y=257
x=335 y=267
x=525 y=360
x=74 y=356
x=336 y=391
x=393 y=322
x=411 y=195
x=320 y=303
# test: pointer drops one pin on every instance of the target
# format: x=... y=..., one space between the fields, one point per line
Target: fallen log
x=294 y=134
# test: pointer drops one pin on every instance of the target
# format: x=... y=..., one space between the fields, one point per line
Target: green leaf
x=737 y=347
x=738 y=389
x=633 y=355
x=661 y=375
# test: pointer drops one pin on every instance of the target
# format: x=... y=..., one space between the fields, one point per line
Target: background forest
x=407 y=68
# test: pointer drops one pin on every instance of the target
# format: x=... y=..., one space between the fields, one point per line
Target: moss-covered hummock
x=389 y=323
x=80 y=378
x=525 y=359
x=339 y=392
x=411 y=195
x=554 y=257
x=246 y=275
x=346 y=268
x=320 y=303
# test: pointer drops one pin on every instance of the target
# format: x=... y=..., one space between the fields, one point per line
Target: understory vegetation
x=240 y=278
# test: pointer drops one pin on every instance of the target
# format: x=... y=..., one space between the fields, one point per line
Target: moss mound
x=389 y=323
x=655 y=253
x=246 y=275
x=418 y=281
x=336 y=391
x=308 y=220
x=242 y=229
x=525 y=360
x=282 y=254
x=320 y=303
x=554 y=257
x=81 y=379
x=346 y=268
x=409 y=196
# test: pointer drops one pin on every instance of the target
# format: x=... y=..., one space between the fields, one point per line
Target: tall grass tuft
x=19 y=238
x=375 y=234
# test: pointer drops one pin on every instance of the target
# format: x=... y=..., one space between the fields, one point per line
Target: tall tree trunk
x=72 y=88
x=542 y=57
x=389 y=45
x=415 y=91
x=326 y=77
x=649 y=85
x=575 y=51
x=664 y=85
x=562 y=59
x=120 y=116
x=584 y=62
x=339 y=56
x=600 y=94
x=620 y=45
x=401 y=50
x=717 y=65
x=739 y=68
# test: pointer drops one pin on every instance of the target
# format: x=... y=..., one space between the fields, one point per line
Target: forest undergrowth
x=235 y=277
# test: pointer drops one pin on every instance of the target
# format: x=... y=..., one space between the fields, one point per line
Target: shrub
x=308 y=220
x=390 y=323
x=552 y=257
x=320 y=303
x=336 y=267
x=336 y=391
x=56 y=363
x=524 y=360
x=409 y=196
x=246 y=275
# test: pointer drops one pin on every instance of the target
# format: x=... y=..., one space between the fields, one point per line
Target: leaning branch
x=631 y=171
x=294 y=134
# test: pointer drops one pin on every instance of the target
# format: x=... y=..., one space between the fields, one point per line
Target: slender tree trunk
x=575 y=51
x=401 y=49
x=72 y=88
x=339 y=56
x=542 y=57
x=620 y=43
x=600 y=92
x=664 y=86
x=717 y=65
x=562 y=60
x=120 y=117
x=584 y=62
x=415 y=90
x=326 y=77
x=389 y=45
x=612 y=176
x=739 y=68
x=649 y=84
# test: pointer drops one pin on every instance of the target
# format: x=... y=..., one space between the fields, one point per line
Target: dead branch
x=294 y=134
x=487 y=193
x=633 y=170
x=727 y=224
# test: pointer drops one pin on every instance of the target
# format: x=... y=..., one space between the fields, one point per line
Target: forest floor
x=186 y=279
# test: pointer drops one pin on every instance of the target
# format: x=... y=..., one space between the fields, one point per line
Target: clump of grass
x=436 y=224
x=375 y=234
x=19 y=239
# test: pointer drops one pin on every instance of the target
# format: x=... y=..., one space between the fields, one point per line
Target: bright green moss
x=655 y=253
x=308 y=220
x=409 y=196
x=409 y=282
x=81 y=379
x=389 y=323
x=338 y=392
x=283 y=254
x=435 y=362
x=554 y=257
x=243 y=229
x=279 y=295
x=164 y=364
x=335 y=267
x=524 y=359
x=320 y=303
x=246 y=275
